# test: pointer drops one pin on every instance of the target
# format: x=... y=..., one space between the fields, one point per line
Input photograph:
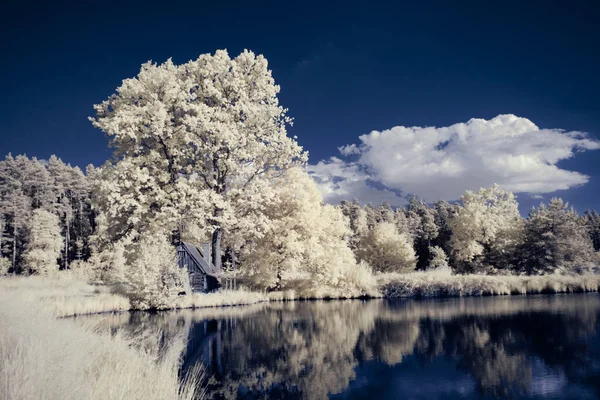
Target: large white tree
x=189 y=141
x=44 y=245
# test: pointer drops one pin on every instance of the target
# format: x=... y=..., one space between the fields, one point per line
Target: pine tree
x=555 y=238
x=358 y=221
x=15 y=205
x=422 y=224
x=373 y=216
x=438 y=260
x=592 y=222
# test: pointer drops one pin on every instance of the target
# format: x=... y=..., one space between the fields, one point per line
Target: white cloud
x=441 y=163
x=338 y=180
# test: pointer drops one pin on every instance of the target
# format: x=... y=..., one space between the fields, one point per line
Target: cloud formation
x=441 y=163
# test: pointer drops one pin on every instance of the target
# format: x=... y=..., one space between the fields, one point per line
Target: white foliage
x=556 y=238
x=82 y=270
x=439 y=259
x=191 y=139
x=109 y=263
x=303 y=240
x=45 y=243
x=153 y=272
x=386 y=250
x=5 y=265
x=489 y=217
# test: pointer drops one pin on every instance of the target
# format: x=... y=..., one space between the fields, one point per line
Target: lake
x=520 y=347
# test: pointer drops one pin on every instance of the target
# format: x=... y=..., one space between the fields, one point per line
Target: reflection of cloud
x=546 y=381
x=441 y=163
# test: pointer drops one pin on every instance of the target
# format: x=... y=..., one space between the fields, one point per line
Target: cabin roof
x=199 y=259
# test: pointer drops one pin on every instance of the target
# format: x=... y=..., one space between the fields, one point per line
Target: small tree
x=153 y=272
x=5 y=265
x=45 y=242
x=438 y=260
x=386 y=250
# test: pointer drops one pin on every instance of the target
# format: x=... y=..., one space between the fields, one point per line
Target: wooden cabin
x=204 y=276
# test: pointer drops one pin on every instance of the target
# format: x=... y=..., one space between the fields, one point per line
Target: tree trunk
x=67 y=237
x=216 y=248
x=216 y=241
x=14 y=252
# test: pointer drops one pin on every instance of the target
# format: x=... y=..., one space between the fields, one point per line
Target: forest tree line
x=45 y=208
x=484 y=233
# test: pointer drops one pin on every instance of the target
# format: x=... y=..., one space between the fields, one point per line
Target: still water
x=521 y=347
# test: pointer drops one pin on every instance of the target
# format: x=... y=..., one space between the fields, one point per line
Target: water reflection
x=519 y=347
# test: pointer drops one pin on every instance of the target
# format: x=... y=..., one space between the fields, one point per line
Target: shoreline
x=73 y=298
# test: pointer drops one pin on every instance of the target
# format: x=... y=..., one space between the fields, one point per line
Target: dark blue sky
x=344 y=68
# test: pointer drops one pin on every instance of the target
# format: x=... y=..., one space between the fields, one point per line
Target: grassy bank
x=68 y=296
x=44 y=357
x=422 y=284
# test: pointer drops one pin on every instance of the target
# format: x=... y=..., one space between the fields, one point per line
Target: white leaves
x=302 y=239
x=153 y=272
x=486 y=216
x=386 y=250
x=191 y=139
x=45 y=242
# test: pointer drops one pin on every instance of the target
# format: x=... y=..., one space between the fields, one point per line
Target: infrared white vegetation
x=202 y=155
x=45 y=243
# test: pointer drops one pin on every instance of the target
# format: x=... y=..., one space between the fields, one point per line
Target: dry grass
x=222 y=298
x=320 y=293
x=427 y=284
x=42 y=357
x=65 y=296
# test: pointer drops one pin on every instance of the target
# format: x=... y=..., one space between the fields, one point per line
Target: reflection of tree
x=497 y=368
x=389 y=341
x=309 y=350
x=497 y=351
x=301 y=350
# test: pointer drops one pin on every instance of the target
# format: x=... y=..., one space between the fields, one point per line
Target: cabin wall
x=199 y=280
